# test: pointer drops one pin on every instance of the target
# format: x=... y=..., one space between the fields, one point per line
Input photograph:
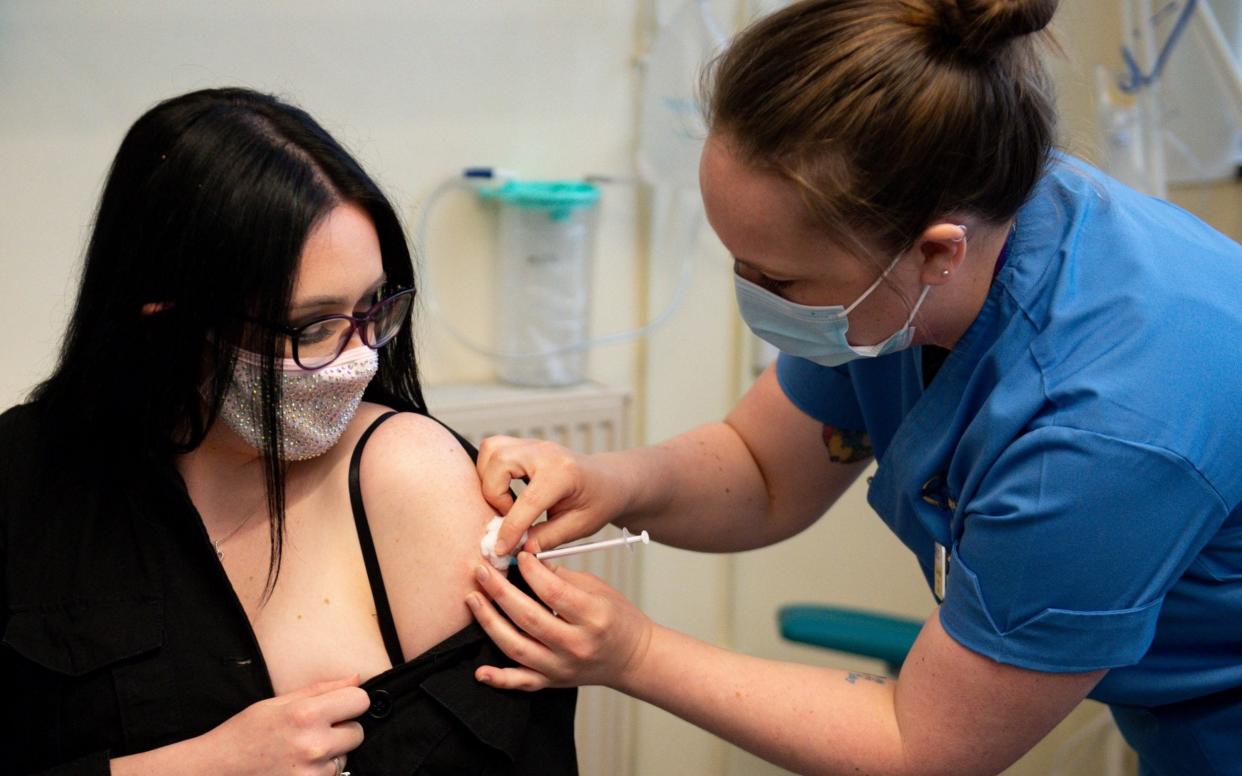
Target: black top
x=122 y=633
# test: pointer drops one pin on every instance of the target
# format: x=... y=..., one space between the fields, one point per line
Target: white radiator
x=590 y=419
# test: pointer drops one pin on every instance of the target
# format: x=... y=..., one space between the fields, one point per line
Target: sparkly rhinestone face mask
x=315 y=406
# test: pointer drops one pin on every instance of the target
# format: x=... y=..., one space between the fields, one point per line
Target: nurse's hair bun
x=982 y=28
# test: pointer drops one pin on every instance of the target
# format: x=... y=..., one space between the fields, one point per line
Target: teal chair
x=878 y=636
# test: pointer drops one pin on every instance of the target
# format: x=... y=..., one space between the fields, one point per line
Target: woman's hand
x=296 y=734
x=580 y=494
x=593 y=635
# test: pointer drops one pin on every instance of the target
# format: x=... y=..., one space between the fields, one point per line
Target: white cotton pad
x=489 y=543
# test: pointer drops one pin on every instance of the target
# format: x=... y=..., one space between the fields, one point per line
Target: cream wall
x=418 y=90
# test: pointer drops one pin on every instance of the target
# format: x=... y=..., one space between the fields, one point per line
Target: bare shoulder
x=411 y=455
x=427 y=516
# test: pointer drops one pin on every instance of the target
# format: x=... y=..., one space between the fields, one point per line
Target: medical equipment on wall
x=671 y=128
x=542 y=303
x=546 y=228
x=671 y=133
x=1175 y=112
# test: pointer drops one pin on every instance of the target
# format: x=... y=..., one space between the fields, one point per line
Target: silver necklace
x=215 y=543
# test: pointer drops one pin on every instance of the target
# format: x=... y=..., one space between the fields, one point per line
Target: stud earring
x=944 y=273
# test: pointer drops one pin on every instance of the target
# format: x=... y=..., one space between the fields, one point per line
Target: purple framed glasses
x=317 y=343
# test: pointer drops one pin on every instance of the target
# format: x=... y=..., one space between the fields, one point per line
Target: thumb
x=521 y=515
x=553 y=533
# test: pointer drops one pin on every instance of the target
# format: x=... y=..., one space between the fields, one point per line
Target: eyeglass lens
x=320 y=342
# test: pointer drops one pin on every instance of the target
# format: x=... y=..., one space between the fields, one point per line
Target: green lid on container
x=559 y=198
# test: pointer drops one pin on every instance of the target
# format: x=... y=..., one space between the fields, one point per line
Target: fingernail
x=472 y=600
x=481 y=572
x=500 y=548
x=484 y=676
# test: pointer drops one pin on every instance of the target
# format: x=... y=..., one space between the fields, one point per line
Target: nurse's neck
x=954 y=301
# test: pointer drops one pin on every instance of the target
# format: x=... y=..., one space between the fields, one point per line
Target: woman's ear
x=151 y=308
x=943 y=248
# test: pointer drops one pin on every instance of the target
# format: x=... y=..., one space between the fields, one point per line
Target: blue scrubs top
x=1080 y=453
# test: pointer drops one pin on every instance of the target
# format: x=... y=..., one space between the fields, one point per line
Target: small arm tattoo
x=854 y=676
x=847 y=446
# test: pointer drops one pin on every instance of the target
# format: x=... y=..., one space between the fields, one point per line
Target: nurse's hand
x=593 y=635
x=579 y=492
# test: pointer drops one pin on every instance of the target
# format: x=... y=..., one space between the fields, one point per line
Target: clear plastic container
x=542 y=307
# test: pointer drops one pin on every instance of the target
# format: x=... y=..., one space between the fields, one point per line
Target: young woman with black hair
x=202 y=571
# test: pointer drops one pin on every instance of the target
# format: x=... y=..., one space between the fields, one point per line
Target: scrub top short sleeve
x=825 y=393
x=1056 y=578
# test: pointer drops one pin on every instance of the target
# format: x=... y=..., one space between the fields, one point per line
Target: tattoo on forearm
x=853 y=676
x=847 y=446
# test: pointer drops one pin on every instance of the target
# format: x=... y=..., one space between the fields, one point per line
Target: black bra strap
x=383 y=612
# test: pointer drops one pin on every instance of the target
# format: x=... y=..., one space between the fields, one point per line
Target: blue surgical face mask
x=815 y=333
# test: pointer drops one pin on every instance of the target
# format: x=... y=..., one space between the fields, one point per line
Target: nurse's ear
x=942 y=247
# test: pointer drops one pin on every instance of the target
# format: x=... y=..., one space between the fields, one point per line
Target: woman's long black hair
x=202 y=221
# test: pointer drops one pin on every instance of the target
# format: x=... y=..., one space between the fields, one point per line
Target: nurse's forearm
x=760 y=476
x=700 y=490
x=954 y=711
x=807 y=719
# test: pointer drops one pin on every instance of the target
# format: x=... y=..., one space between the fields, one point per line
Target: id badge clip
x=940 y=571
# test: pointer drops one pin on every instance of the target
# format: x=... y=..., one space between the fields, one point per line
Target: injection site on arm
x=488 y=545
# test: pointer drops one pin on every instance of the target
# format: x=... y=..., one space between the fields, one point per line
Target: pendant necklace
x=215 y=543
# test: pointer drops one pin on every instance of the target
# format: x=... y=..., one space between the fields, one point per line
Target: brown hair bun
x=982 y=28
x=881 y=123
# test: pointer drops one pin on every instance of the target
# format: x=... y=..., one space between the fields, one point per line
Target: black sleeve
x=96 y=763
x=93 y=764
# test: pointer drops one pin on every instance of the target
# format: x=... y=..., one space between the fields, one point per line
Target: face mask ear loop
x=915 y=310
x=873 y=286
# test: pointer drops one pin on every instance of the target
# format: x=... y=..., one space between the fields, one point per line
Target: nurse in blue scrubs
x=1045 y=365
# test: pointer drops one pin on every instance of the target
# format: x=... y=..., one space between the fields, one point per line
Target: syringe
x=577 y=549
